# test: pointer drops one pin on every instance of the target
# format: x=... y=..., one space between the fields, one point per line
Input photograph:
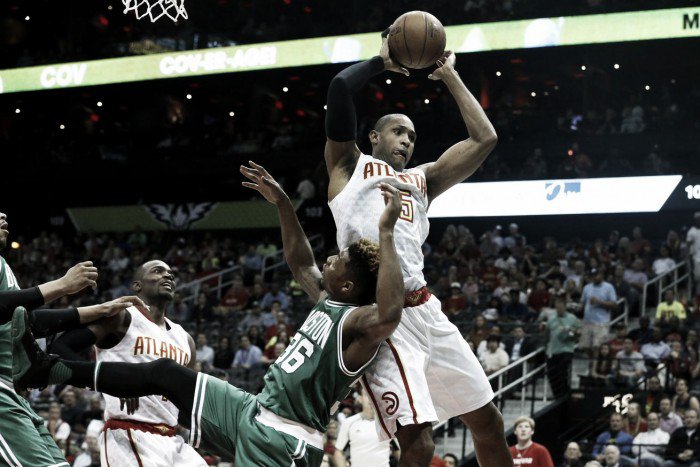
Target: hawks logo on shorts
x=392 y=401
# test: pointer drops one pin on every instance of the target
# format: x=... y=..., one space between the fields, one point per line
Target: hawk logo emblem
x=392 y=401
x=180 y=216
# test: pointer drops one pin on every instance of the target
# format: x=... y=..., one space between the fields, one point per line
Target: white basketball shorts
x=425 y=372
x=119 y=447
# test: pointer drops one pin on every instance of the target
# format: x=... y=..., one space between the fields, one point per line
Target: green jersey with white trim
x=307 y=382
x=7 y=282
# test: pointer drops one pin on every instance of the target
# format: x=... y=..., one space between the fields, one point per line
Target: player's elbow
x=338 y=86
x=490 y=140
x=387 y=324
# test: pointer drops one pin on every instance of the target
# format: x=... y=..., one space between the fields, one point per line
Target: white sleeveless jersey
x=359 y=205
x=145 y=342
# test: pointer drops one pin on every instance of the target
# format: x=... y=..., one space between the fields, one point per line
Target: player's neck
x=526 y=445
x=156 y=311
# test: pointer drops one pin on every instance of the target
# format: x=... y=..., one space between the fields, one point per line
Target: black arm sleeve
x=47 y=322
x=11 y=299
x=341 y=121
x=71 y=343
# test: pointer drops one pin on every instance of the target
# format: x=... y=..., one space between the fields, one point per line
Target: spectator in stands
x=495 y=357
x=563 y=332
x=683 y=400
x=59 y=429
x=256 y=336
x=223 y=355
x=693 y=240
x=680 y=362
x=650 y=398
x=670 y=308
x=205 y=354
x=479 y=332
x=593 y=463
x=278 y=349
x=491 y=312
x=664 y=262
x=235 y=298
x=520 y=345
x=618 y=342
x=281 y=324
x=656 y=350
x=253 y=317
x=515 y=310
x=573 y=457
x=91 y=456
x=578 y=275
x=602 y=366
x=635 y=276
x=650 y=445
x=251 y=262
x=644 y=333
x=615 y=435
x=633 y=422
x=275 y=294
x=93 y=413
x=247 y=356
x=455 y=302
x=505 y=261
x=526 y=451
x=450 y=460
x=359 y=435
x=72 y=410
x=470 y=289
x=599 y=300
x=266 y=248
x=612 y=458
x=482 y=347
x=629 y=365
x=684 y=445
x=202 y=310
x=539 y=298
x=669 y=420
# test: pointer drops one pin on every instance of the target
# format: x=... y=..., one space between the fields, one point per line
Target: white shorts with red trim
x=138 y=448
x=425 y=372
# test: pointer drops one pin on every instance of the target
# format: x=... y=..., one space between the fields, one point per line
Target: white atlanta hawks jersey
x=145 y=342
x=358 y=207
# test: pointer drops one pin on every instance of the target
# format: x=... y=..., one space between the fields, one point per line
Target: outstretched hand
x=389 y=63
x=392 y=210
x=262 y=182
x=445 y=65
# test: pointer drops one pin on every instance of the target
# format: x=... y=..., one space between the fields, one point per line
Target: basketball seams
x=405 y=42
x=425 y=38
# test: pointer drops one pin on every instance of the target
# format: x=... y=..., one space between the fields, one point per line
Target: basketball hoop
x=156 y=9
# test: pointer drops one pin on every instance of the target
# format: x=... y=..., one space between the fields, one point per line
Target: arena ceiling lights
x=542 y=32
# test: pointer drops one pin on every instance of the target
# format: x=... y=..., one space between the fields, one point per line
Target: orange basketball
x=416 y=39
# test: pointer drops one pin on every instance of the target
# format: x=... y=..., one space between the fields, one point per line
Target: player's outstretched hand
x=262 y=182
x=392 y=199
x=113 y=307
x=78 y=277
x=445 y=65
x=389 y=63
x=132 y=404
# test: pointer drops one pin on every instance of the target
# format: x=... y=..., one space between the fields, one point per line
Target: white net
x=156 y=9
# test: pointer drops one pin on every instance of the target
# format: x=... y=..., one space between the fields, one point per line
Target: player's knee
x=485 y=423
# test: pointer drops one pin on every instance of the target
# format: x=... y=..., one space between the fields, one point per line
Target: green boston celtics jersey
x=308 y=381
x=7 y=282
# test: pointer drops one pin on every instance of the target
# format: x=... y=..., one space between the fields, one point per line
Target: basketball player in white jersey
x=425 y=372
x=140 y=432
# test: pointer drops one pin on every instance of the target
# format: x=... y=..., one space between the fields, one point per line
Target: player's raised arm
x=297 y=250
x=461 y=160
x=370 y=325
x=341 y=120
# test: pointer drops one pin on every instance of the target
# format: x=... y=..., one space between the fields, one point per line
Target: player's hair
x=524 y=419
x=385 y=120
x=364 y=266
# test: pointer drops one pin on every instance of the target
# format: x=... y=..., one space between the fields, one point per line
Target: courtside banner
x=556 y=197
x=482 y=37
